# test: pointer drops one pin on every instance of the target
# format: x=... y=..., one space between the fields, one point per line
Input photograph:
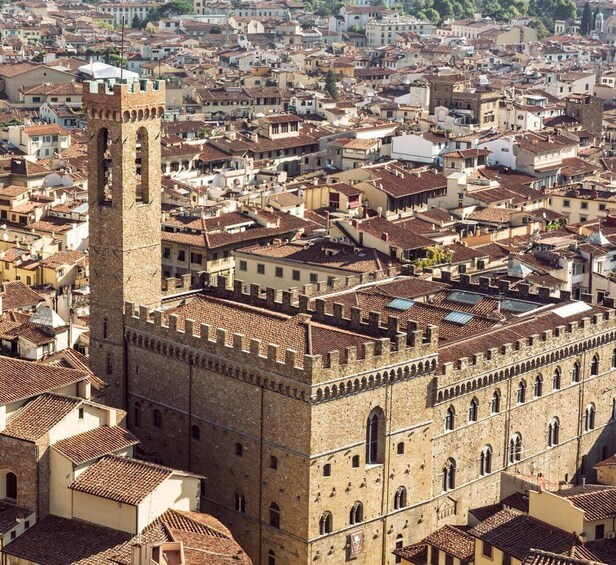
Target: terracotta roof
x=95 y=443
x=516 y=533
x=23 y=379
x=453 y=541
x=66 y=257
x=51 y=129
x=36 y=418
x=59 y=541
x=397 y=235
x=538 y=557
x=121 y=479
x=416 y=553
x=17 y=295
x=599 y=505
x=11 y=516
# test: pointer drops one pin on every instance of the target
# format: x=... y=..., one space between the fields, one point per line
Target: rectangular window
x=506 y=559
x=602 y=207
x=166 y=252
x=243 y=266
x=486 y=549
x=279 y=272
x=330 y=281
x=314 y=278
x=296 y=275
x=566 y=203
x=584 y=205
x=448 y=559
x=261 y=268
x=195 y=258
x=599 y=531
x=181 y=255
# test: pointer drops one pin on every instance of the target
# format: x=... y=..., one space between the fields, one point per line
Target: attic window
x=464 y=297
x=402 y=304
x=459 y=318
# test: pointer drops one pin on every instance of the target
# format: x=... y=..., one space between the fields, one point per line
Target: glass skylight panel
x=459 y=318
x=462 y=297
x=402 y=304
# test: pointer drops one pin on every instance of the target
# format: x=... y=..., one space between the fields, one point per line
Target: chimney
x=385 y=236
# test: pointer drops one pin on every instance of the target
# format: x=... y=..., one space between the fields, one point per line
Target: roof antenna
x=122 y=53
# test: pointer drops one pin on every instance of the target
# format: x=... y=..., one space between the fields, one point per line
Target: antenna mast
x=122 y=53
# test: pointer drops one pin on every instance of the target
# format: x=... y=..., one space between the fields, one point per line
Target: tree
x=331 y=86
x=586 y=23
x=137 y=23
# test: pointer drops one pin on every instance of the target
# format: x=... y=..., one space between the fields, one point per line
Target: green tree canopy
x=331 y=85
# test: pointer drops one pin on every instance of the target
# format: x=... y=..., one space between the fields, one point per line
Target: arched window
x=589 y=418
x=274 y=515
x=273 y=462
x=553 y=432
x=239 y=449
x=472 y=410
x=614 y=358
x=400 y=498
x=538 y=390
x=450 y=419
x=594 y=366
x=515 y=448
x=103 y=166
x=449 y=475
x=614 y=408
x=355 y=461
x=575 y=373
x=157 y=418
x=375 y=437
x=11 y=486
x=240 y=502
x=485 y=461
x=271 y=558
x=496 y=401
x=556 y=379
x=195 y=432
x=325 y=524
x=356 y=515
x=400 y=448
x=521 y=393
x=327 y=470
x=142 y=167
x=399 y=545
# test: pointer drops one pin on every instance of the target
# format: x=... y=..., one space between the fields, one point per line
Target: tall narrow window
x=575 y=373
x=274 y=515
x=614 y=358
x=399 y=545
x=472 y=410
x=157 y=419
x=240 y=502
x=400 y=448
x=449 y=475
x=137 y=415
x=271 y=558
x=325 y=523
x=450 y=418
x=553 y=432
x=11 y=486
x=375 y=437
x=594 y=366
x=195 y=432
x=142 y=167
x=400 y=498
x=556 y=379
x=239 y=449
x=589 y=418
x=485 y=461
x=327 y=470
x=515 y=448
x=538 y=386
x=273 y=462
x=521 y=393
x=103 y=166
x=356 y=515
x=496 y=401
x=109 y=364
x=105 y=328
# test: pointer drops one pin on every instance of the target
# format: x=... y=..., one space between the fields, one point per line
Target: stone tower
x=124 y=191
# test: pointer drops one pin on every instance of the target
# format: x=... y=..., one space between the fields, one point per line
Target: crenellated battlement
x=124 y=101
x=388 y=352
x=528 y=354
x=504 y=289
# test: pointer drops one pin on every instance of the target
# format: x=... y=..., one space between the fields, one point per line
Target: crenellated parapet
x=525 y=355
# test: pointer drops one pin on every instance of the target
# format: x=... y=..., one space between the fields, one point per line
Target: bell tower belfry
x=124 y=193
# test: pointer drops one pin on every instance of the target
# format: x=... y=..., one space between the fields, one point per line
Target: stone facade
x=272 y=429
x=124 y=186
